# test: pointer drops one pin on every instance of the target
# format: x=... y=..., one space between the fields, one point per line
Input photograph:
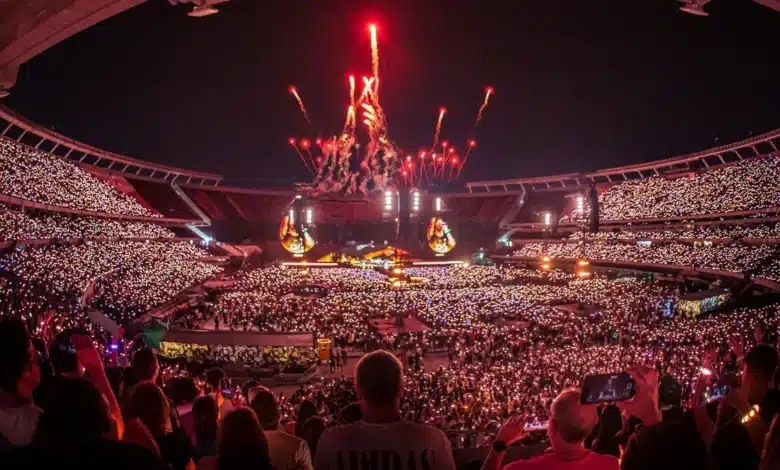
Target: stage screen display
x=439 y=236
x=294 y=240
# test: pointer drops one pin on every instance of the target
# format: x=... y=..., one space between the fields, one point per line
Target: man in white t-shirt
x=19 y=377
x=287 y=452
x=382 y=437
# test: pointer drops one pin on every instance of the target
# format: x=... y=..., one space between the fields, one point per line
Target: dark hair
x=241 y=443
x=610 y=424
x=379 y=379
x=306 y=410
x=205 y=415
x=761 y=361
x=264 y=406
x=149 y=404
x=15 y=353
x=350 y=414
x=311 y=431
x=145 y=364
x=75 y=411
x=214 y=376
x=181 y=390
x=248 y=385
x=665 y=446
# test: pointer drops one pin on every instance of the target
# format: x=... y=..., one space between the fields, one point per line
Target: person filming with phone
x=570 y=424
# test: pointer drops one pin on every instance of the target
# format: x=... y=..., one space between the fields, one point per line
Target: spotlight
x=695 y=7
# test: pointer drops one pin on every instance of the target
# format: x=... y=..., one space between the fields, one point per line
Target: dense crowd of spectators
x=37 y=176
x=734 y=257
x=746 y=185
x=45 y=226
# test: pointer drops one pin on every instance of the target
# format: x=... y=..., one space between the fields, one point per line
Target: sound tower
x=594 y=208
x=404 y=215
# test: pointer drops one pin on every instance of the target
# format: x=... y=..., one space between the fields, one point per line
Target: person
x=306 y=409
x=214 y=377
x=72 y=434
x=570 y=423
x=19 y=376
x=740 y=445
x=382 y=434
x=241 y=444
x=610 y=424
x=312 y=431
x=658 y=444
x=344 y=357
x=150 y=406
x=205 y=415
x=287 y=452
x=182 y=393
x=145 y=366
x=350 y=414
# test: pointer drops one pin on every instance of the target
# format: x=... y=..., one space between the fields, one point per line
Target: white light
x=297 y=196
x=547 y=218
x=580 y=204
x=388 y=194
x=292 y=216
x=309 y=216
x=438 y=204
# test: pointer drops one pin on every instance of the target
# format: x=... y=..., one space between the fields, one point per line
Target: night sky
x=580 y=85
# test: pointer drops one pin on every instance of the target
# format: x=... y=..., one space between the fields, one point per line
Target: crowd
x=17 y=225
x=36 y=176
x=733 y=257
x=734 y=232
x=746 y=185
x=122 y=278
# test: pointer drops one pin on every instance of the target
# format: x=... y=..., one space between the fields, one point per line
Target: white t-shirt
x=402 y=445
x=18 y=425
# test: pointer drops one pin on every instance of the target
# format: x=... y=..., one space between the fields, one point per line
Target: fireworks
x=294 y=93
x=488 y=92
x=343 y=164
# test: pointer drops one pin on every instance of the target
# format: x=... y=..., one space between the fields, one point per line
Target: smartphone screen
x=607 y=388
x=717 y=392
x=537 y=423
x=227 y=388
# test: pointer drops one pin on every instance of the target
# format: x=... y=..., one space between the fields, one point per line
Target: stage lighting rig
x=695 y=7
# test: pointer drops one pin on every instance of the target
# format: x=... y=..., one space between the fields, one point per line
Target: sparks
x=442 y=112
x=374 y=57
x=488 y=92
x=352 y=91
x=294 y=93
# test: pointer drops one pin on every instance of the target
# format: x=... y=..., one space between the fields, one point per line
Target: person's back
x=382 y=437
x=407 y=445
x=286 y=451
x=553 y=461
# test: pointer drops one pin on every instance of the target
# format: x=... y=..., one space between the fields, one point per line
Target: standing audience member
x=19 y=376
x=205 y=416
x=287 y=452
x=312 y=431
x=241 y=444
x=610 y=424
x=383 y=432
x=148 y=404
x=570 y=424
x=214 y=378
x=306 y=409
x=72 y=434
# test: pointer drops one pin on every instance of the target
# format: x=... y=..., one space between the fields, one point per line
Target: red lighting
x=454 y=160
x=489 y=90
x=291 y=141
x=472 y=143
x=408 y=157
x=292 y=90
x=305 y=143
x=422 y=154
x=452 y=149
x=445 y=144
x=318 y=141
x=443 y=110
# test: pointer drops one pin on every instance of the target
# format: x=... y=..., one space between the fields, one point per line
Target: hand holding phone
x=607 y=388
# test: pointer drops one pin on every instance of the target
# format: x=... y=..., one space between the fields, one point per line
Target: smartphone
x=537 y=423
x=607 y=388
x=717 y=392
x=226 y=385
